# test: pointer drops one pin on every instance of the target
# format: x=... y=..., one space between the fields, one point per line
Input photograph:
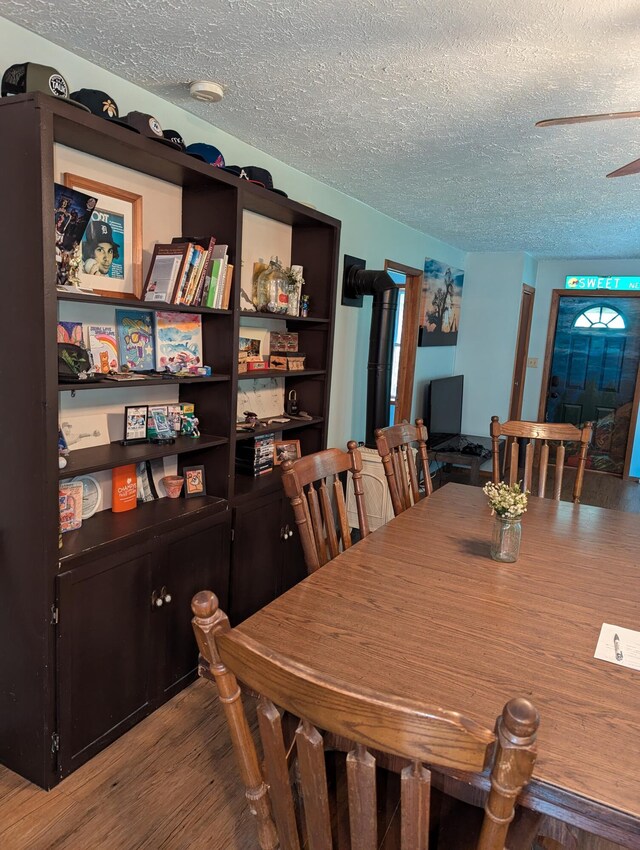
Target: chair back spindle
x=538 y=436
x=294 y=807
x=305 y=484
x=395 y=447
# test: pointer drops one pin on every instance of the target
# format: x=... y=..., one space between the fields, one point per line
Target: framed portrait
x=135 y=423
x=194 y=481
x=286 y=450
x=111 y=262
x=440 y=304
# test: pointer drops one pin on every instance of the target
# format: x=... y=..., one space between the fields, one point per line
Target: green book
x=215 y=274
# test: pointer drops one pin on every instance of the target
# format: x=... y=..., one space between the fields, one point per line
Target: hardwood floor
x=168 y=784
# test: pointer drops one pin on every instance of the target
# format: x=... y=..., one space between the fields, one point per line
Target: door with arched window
x=594 y=371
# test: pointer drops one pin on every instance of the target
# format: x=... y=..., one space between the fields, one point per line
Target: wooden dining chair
x=543 y=431
x=291 y=800
x=395 y=447
x=312 y=507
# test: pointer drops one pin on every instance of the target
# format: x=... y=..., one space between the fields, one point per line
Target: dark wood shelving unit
x=135 y=304
x=264 y=428
x=147 y=382
x=113 y=454
x=82 y=675
x=281 y=373
x=109 y=529
x=253 y=314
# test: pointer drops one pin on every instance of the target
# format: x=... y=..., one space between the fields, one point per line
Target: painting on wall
x=440 y=304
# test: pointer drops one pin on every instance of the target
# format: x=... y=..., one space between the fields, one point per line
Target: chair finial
x=204 y=604
x=520 y=717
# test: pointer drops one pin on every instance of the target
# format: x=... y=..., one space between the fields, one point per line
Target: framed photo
x=111 y=246
x=159 y=427
x=135 y=423
x=286 y=450
x=194 y=481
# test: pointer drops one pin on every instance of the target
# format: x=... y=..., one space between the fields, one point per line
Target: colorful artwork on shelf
x=70 y=332
x=135 y=339
x=440 y=304
x=103 y=347
x=178 y=341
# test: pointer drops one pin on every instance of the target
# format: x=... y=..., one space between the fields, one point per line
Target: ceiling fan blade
x=630 y=168
x=583 y=119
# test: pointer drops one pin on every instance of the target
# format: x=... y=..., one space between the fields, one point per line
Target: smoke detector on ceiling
x=206 y=90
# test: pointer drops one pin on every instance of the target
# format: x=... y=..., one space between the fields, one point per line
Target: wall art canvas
x=84 y=431
x=440 y=303
x=135 y=339
x=178 y=340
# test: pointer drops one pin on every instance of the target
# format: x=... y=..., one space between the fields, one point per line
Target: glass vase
x=505 y=545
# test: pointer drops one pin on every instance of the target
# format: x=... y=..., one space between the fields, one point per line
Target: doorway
x=522 y=350
x=405 y=339
x=591 y=371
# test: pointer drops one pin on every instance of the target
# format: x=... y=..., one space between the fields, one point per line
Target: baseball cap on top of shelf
x=209 y=153
x=259 y=176
x=101 y=104
x=175 y=138
x=30 y=77
x=148 y=126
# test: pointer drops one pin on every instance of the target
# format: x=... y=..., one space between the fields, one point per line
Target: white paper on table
x=619 y=646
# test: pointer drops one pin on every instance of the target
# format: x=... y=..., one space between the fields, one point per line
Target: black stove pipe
x=383 y=321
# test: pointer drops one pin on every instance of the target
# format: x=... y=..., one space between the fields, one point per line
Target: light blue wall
x=487 y=337
x=365 y=232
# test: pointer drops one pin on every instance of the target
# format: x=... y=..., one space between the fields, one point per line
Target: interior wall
x=551 y=275
x=365 y=232
x=487 y=336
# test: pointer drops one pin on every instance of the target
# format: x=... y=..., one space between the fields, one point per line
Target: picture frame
x=135 y=424
x=84 y=431
x=117 y=218
x=440 y=303
x=194 y=481
x=286 y=450
x=159 y=422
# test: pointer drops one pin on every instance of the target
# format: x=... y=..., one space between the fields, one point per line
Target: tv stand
x=451 y=454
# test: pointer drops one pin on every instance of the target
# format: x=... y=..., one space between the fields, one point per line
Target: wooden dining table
x=419 y=608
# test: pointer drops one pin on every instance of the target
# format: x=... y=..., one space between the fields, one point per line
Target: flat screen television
x=443 y=408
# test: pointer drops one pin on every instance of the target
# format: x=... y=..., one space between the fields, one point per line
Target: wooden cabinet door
x=106 y=650
x=196 y=558
x=257 y=553
x=294 y=568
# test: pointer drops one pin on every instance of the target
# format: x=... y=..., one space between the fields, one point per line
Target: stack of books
x=255 y=456
x=194 y=272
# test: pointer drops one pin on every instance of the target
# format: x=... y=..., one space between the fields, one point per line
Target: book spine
x=188 y=290
x=182 y=277
x=215 y=271
x=197 y=288
x=201 y=294
x=227 y=287
x=221 y=280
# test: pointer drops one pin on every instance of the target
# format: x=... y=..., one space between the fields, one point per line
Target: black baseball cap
x=175 y=138
x=101 y=104
x=101 y=231
x=253 y=174
x=29 y=76
x=148 y=126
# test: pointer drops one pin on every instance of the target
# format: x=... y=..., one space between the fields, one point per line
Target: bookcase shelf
x=280 y=373
x=304 y=320
x=107 y=528
x=148 y=382
x=113 y=454
x=135 y=304
x=102 y=579
x=264 y=428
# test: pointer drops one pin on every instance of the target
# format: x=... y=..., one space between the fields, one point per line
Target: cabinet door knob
x=167 y=598
x=156 y=599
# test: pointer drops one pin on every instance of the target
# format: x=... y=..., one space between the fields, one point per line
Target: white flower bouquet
x=506 y=500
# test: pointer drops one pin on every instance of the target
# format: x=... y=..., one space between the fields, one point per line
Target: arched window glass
x=601 y=318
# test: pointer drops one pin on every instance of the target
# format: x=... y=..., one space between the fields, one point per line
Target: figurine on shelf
x=304 y=306
x=250 y=418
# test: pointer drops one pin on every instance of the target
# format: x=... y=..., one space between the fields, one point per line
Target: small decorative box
x=70 y=498
x=295 y=362
x=278 y=361
x=283 y=341
x=242 y=361
x=257 y=365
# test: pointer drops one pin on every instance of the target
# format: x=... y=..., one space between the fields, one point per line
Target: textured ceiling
x=423 y=110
